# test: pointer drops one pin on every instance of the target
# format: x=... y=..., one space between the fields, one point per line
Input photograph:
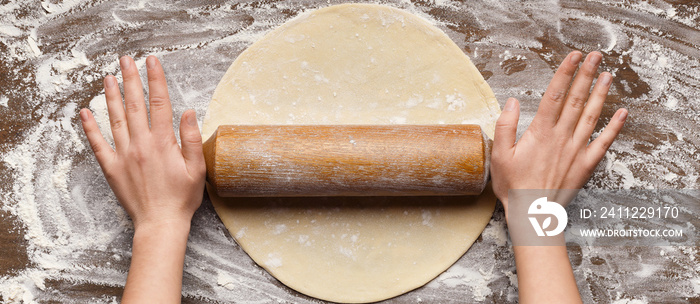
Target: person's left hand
x=155 y=180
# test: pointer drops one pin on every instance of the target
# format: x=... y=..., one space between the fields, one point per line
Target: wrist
x=165 y=227
x=157 y=260
x=504 y=202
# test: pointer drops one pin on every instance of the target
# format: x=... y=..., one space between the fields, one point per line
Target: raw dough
x=354 y=64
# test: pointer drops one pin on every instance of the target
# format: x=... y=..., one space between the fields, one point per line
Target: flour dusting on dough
x=427 y=217
x=274 y=260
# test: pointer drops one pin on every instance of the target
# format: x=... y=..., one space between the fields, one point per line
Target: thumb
x=191 y=141
x=506 y=127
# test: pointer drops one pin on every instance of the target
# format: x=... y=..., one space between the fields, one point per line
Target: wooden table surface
x=64 y=238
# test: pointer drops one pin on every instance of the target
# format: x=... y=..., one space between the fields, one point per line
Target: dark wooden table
x=64 y=238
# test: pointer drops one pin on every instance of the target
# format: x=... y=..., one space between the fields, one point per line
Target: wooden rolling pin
x=347 y=160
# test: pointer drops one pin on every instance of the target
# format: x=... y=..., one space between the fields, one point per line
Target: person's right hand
x=554 y=152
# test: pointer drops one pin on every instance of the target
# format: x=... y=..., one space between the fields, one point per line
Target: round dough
x=354 y=64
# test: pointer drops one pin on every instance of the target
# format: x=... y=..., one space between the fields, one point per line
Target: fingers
x=134 y=103
x=103 y=152
x=588 y=120
x=506 y=128
x=578 y=93
x=596 y=150
x=158 y=99
x=191 y=141
x=115 y=108
x=553 y=99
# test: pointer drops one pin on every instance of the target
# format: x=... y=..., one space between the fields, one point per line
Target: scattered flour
x=647 y=270
x=21 y=288
x=227 y=281
x=273 y=260
x=619 y=168
x=512 y=277
x=54 y=75
x=671 y=103
x=33 y=47
x=630 y=301
x=496 y=231
x=241 y=233
x=279 y=229
x=78 y=60
x=347 y=252
x=10 y=30
x=696 y=285
x=459 y=276
x=304 y=239
x=455 y=102
x=427 y=218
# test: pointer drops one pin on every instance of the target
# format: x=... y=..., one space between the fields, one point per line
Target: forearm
x=545 y=275
x=158 y=254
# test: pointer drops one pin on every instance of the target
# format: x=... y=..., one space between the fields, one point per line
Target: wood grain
x=347 y=160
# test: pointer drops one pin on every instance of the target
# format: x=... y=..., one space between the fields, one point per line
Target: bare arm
x=553 y=153
x=159 y=184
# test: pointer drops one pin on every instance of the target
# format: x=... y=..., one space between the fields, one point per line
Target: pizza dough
x=354 y=64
